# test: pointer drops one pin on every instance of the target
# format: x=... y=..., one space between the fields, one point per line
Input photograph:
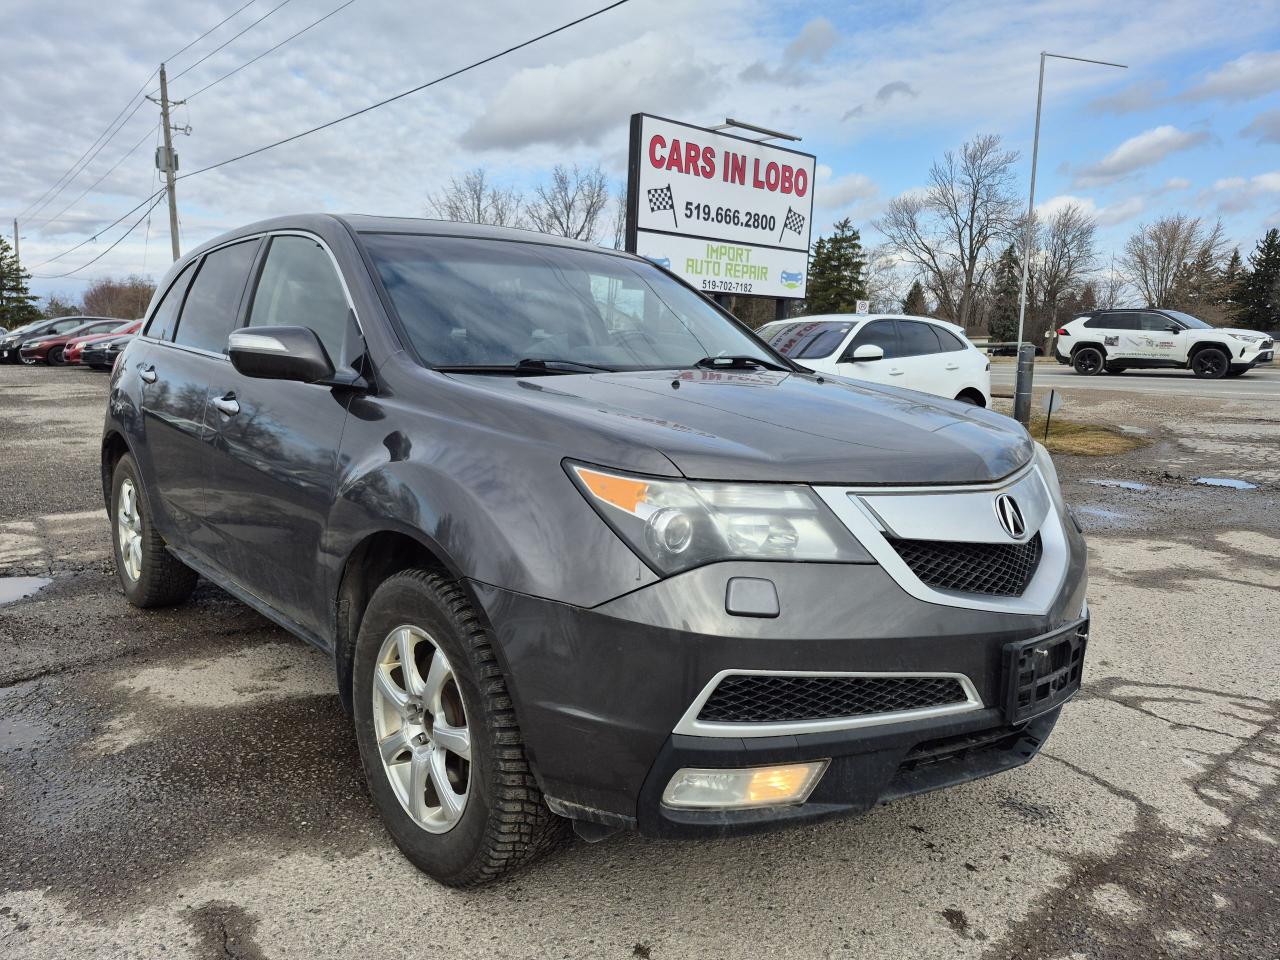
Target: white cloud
x=1142 y=95
x=1237 y=194
x=1144 y=150
x=1176 y=183
x=1119 y=212
x=813 y=43
x=1054 y=204
x=1244 y=78
x=581 y=101
x=837 y=193
x=1264 y=128
x=1106 y=216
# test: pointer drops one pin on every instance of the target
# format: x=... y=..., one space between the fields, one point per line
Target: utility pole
x=17 y=254
x=168 y=160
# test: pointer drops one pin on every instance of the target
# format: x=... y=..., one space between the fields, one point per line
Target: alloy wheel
x=129 y=530
x=421 y=727
x=1210 y=364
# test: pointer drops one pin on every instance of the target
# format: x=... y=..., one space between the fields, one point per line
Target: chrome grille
x=779 y=699
x=994 y=569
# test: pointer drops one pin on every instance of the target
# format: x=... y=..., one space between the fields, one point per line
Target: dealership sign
x=728 y=214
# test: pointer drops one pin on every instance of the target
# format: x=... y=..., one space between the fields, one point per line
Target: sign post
x=728 y=214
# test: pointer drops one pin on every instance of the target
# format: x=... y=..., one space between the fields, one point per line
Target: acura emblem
x=1010 y=516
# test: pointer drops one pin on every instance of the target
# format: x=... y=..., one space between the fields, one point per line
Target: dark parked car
x=73 y=349
x=11 y=343
x=582 y=548
x=48 y=348
x=101 y=354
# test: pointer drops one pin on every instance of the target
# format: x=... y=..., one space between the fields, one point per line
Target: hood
x=1237 y=332
x=766 y=426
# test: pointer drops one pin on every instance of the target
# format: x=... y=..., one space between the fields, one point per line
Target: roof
x=850 y=317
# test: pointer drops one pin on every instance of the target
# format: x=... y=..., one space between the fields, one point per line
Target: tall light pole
x=1022 y=397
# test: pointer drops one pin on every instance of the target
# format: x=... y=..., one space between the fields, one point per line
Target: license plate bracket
x=1042 y=673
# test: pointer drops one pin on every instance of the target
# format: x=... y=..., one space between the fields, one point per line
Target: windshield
x=1193 y=322
x=808 y=340
x=469 y=302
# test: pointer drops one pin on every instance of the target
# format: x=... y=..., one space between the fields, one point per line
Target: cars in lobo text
x=50 y=347
x=1113 y=341
x=583 y=549
x=918 y=353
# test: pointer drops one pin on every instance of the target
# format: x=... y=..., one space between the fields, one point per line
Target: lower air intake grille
x=996 y=569
x=765 y=699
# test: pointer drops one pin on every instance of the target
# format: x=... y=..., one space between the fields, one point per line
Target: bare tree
x=619 y=229
x=884 y=279
x=949 y=231
x=474 y=199
x=571 y=204
x=1064 y=254
x=1154 y=255
x=126 y=299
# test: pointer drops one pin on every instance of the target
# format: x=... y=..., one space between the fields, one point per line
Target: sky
x=877 y=91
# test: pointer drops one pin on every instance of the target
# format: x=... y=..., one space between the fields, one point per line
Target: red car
x=74 y=349
x=49 y=349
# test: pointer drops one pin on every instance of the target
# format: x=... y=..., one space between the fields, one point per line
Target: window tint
x=162 y=321
x=809 y=340
x=918 y=339
x=210 y=311
x=948 y=340
x=299 y=288
x=62 y=326
x=105 y=327
x=1156 y=322
x=880 y=332
x=1126 y=321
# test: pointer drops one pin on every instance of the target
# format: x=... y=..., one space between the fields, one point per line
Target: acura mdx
x=585 y=551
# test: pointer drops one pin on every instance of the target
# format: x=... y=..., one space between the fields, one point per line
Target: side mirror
x=868 y=352
x=279 y=353
x=1173 y=328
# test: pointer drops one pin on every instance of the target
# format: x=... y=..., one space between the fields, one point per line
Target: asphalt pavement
x=1262 y=383
x=183 y=783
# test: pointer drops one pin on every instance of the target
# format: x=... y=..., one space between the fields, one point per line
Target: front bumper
x=40 y=352
x=599 y=691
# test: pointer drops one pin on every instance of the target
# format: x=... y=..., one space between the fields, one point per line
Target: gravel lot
x=184 y=783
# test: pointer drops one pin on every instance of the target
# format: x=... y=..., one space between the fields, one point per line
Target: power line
x=191 y=96
x=116 y=243
x=298 y=136
x=231 y=40
x=130 y=152
x=411 y=90
x=71 y=173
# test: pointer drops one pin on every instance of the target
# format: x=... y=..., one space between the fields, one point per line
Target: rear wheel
x=149 y=574
x=1087 y=361
x=1210 y=363
x=442 y=751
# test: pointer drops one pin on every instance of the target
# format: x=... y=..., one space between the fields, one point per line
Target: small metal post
x=782 y=308
x=1022 y=389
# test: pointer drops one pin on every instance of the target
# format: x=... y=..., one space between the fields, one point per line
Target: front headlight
x=677 y=524
x=1247 y=338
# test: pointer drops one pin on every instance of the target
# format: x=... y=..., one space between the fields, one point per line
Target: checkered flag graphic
x=793 y=222
x=660 y=199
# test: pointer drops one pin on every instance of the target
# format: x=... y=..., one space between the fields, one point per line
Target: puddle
x=15 y=588
x=1122 y=484
x=1226 y=482
x=1137 y=431
x=1103 y=513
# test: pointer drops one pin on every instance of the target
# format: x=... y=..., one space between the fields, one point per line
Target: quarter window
x=949 y=342
x=299 y=288
x=210 y=312
x=163 y=320
x=918 y=339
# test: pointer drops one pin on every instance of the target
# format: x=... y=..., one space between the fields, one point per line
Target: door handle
x=953 y=366
x=896 y=373
x=148 y=374
x=227 y=405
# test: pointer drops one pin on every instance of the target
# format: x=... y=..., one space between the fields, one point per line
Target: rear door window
x=162 y=321
x=1155 y=322
x=882 y=333
x=918 y=339
x=213 y=304
x=948 y=340
x=300 y=288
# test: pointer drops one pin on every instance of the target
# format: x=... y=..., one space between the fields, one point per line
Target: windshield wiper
x=527 y=365
x=738 y=363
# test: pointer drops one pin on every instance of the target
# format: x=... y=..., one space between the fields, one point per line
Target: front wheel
x=55 y=358
x=1087 y=361
x=1210 y=363
x=438 y=736
x=149 y=574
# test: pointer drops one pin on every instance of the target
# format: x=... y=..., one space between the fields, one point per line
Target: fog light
x=751 y=787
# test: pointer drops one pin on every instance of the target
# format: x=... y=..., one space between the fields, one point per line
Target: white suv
x=1117 y=340
x=918 y=353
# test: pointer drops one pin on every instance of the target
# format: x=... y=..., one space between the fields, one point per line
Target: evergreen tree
x=1259 y=299
x=836 y=272
x=915 y=305
x=17 y=304
x=1002 y=318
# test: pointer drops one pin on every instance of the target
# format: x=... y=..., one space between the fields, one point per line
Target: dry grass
x=1084 y=439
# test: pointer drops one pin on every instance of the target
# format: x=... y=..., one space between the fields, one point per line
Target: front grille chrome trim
x=690 y=725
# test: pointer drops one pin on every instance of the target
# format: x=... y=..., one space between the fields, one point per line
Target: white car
x=918 y=353
x=1119 y=340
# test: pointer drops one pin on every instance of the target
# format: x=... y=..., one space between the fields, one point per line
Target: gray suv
x=584 y=551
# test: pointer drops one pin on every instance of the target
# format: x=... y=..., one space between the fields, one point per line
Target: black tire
x=1088 y=361
x=162 y=580
x=1237 y=371
x=54 y=357
x=1210 y=363
x=1114 y=369
x=506 y=822
x=970 y=399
